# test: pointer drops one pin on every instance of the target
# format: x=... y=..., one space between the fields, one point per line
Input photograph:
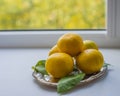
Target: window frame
x=42 y=39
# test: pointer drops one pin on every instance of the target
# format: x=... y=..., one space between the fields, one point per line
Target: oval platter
x=45 y=79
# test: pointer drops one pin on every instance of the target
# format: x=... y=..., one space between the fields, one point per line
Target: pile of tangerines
x=71 y=50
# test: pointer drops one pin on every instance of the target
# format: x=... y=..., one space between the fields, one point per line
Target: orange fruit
x=89 y=44
x=59 y=65
x=54 y=49
x=70 y=43
x=90 y=61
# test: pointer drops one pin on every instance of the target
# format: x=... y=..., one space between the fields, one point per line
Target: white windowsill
x=16 y=75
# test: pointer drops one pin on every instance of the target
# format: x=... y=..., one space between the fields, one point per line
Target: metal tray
x=44 y=79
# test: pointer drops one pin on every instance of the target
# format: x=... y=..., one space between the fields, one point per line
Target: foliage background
x=52 y=14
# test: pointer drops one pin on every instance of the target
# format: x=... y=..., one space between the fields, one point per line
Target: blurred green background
x=52 y=14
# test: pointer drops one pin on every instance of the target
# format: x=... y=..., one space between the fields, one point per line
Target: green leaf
x=106 y=65
x=67 y=83
x=40 y=67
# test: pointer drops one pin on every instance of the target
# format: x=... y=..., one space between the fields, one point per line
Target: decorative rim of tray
x=44 y=79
